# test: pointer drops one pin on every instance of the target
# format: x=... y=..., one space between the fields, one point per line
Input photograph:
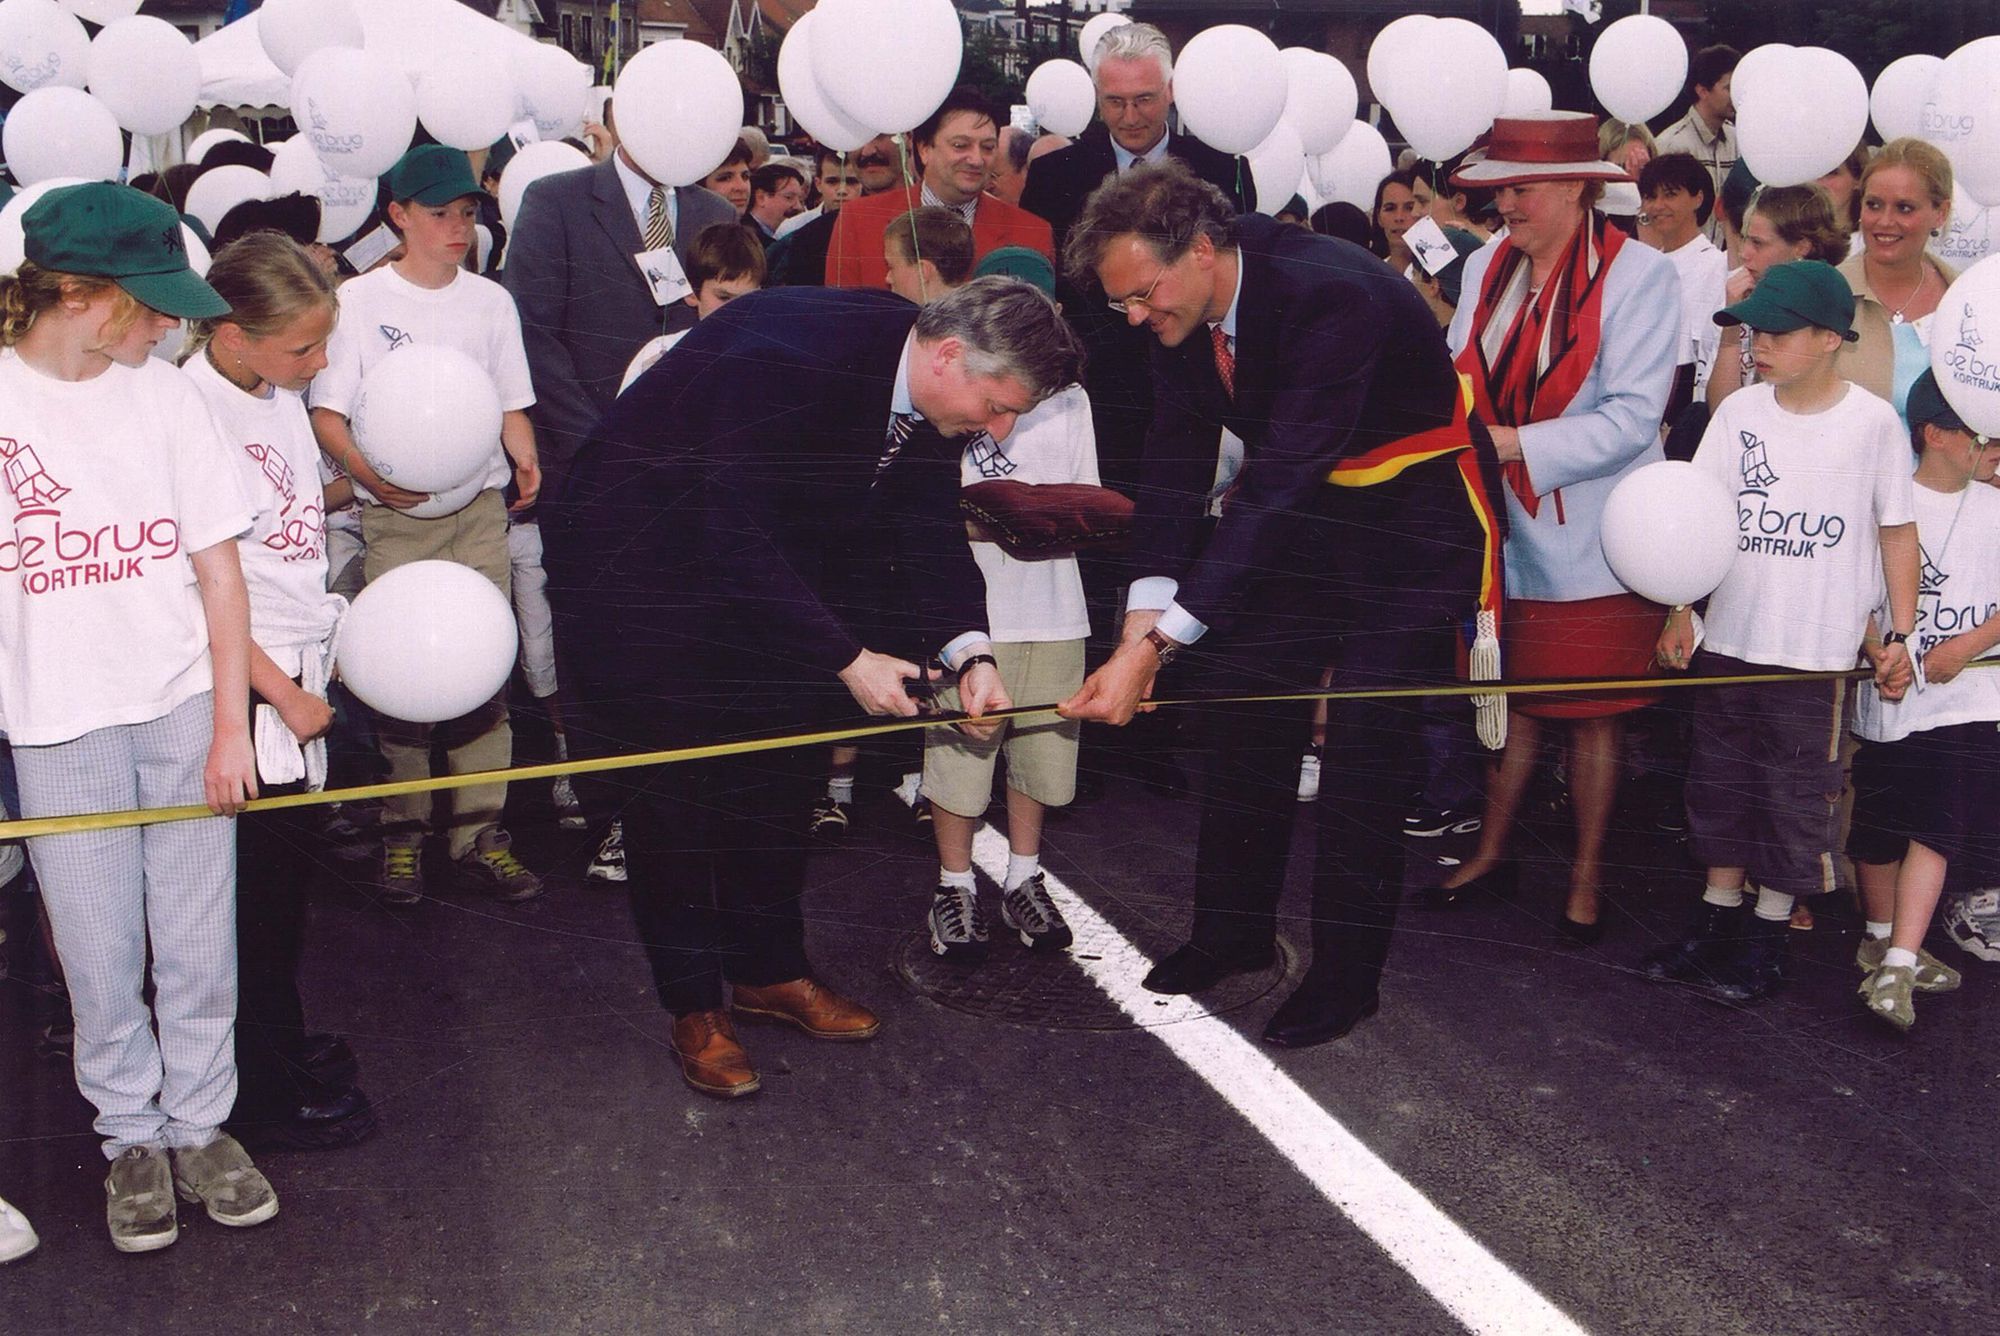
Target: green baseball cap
x=1794 y=296
x=432 y=175
x=1928 y=406
x=111 y=231
x=1030 y=266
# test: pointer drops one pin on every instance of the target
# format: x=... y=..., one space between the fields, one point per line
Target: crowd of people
x=740 y=422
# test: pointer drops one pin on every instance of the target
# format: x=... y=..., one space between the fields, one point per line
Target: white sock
x=963 y=881
x=1773 y=906
x=841 y=788
x=1728 y=899
x=1896 y=955
x=1878 y=930
x=1020 y=867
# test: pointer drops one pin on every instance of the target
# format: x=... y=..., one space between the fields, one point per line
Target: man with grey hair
x=762 y=554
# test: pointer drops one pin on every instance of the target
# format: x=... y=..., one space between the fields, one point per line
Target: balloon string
x=60 y=825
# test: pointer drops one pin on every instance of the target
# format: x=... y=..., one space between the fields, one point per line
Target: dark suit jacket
x=725 y=545
x=798 y=259
x=585 y=308
x=1336 y=354
x=1116 y=374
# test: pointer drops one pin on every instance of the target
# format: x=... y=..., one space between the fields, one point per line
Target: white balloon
x=887 y=63
x=680 y=109
x=809 y=106
x=1062 y=97
x=1900 y=92
x=345 y=201
x=41 y=46
x=530 y=165
x=1276 y=166
x=199 y=146
x=146 y=71
x=447 y=502
x=291 y=30
x=13 y=238
x=1638 y=66
x=1352 y=169
x=1440 y=119
x=1320 y=97
x=1806 y=116
x=1092 y=33
x=467 y=100
x=553 y=88
x=358 y=112
x=1968 y=235
x=1965 y=355
x=102 y=12
x=1748 y=79
x=172 y=344
x=1963 y=117
x=215 y=192
x=1527 y=94
x=1669 y=532
x=62 y=131
x=197 y=249
x=1396 y=59
x=1230 y=87
x=427 y=417
x=427 y=642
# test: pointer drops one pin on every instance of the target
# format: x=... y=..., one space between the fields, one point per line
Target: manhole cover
x=1049 y=992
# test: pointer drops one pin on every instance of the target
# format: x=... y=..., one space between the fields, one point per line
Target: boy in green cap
x=427 y=296
x=1821 y=475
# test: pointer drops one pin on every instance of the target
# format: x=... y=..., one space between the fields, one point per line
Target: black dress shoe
x=1582 y=934
x=328 y=1123
x=1311 y=1016
x=329 y=1059
x=1191 y=969
x=1500 y=882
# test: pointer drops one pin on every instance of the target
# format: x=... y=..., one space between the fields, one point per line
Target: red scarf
x=1531 y=352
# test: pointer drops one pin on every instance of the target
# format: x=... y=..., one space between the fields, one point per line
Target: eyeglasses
x=1145 y=298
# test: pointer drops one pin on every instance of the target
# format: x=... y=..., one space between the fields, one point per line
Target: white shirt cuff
x=1178 y=624
x=972 y=642
x=1154 y=593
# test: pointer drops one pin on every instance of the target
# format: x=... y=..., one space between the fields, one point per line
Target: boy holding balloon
x=1821 y=477
x=426 y=297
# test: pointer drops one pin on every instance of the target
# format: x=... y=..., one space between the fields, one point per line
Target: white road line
x=1476 y=1287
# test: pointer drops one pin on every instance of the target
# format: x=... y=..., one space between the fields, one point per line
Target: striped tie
x=659 y=231
x=901 y=427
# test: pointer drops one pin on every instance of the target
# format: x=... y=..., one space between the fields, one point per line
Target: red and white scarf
x=1530 y=352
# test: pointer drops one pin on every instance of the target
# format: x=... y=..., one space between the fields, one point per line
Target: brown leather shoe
x=711 y=1059
x=810 y=1005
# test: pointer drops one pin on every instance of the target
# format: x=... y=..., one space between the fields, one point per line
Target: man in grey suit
x=586 y=306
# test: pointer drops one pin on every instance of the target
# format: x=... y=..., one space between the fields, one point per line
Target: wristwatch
x=1162 y=646
x=1895 y=638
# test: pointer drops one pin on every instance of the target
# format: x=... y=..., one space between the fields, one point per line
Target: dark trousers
x=715 y=857
x=276 y=854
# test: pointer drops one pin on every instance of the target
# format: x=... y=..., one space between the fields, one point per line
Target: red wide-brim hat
x=1547 y=146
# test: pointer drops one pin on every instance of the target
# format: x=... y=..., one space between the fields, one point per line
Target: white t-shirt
x=1811 y=493
x=1056 y=442
x=111 y=483
x=381 y=311
x=1958 y=590
x=284 y=554
x=1704 y=272
x=643 y=360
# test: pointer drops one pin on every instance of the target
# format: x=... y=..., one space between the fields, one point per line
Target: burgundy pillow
x=1033 y=521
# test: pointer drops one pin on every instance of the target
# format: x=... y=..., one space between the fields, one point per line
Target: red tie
x=1225 y=361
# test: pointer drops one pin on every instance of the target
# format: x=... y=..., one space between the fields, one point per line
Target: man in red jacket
x=955 y=149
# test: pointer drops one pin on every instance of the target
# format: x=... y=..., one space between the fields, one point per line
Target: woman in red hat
x=1566 y=331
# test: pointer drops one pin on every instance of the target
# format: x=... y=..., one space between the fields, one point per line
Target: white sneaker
x=609 y=862
x=1973 y=921
x=1309 y=776
x=17 y=1236
x=569 y=812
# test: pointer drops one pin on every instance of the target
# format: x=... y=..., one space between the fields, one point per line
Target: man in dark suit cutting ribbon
x=1357 y=534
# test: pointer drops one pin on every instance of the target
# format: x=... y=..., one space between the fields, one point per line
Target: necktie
x=659 y=230
x=901 y=427
x=1225 y=361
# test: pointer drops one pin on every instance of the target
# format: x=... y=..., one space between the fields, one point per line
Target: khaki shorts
x=1041 y=753
x=475 y=537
